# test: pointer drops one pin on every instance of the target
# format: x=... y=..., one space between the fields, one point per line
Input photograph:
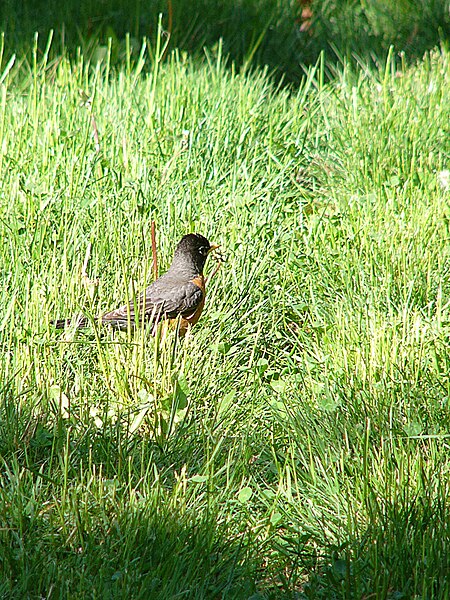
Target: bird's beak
x=213 y=247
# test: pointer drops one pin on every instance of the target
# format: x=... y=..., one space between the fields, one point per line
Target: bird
x=178 y=293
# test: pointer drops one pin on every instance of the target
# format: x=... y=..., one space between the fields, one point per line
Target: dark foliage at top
x=281 y=34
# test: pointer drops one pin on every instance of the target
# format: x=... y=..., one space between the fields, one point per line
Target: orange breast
x=192 y=319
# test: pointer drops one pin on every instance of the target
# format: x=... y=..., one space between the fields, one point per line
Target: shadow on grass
x=146 y=552
x=96 y=514
x=401 y=555
x=263 y=32
x=70 y=529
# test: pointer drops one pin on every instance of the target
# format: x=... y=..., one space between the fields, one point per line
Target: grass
x=295 y=445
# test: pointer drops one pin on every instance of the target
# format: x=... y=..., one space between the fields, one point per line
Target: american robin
x=180 y=292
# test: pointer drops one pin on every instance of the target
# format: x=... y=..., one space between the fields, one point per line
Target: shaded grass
x=295 y=445
x=265 y=32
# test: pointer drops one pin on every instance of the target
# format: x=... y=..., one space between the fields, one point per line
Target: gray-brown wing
x=162 y=299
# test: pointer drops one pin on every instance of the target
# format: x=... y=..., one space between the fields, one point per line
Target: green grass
x=296 y=445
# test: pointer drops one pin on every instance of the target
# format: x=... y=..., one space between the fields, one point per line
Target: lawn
x=296 y=443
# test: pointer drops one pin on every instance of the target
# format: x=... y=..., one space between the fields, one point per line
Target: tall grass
x=296 y=443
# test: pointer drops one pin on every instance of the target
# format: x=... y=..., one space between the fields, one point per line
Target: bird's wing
x=163 y=298
x=174 y=300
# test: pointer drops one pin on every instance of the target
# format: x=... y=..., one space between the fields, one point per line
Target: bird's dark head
x=192 y=251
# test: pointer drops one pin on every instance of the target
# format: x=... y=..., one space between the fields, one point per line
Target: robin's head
x=192 y=251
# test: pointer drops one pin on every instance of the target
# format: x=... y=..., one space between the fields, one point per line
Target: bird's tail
x=81 y=322
x=78 y=322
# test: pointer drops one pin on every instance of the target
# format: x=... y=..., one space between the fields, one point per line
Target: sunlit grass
x=296 y=442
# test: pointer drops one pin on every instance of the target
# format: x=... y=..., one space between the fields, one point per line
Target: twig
x=214 y=273
x=169 y=28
